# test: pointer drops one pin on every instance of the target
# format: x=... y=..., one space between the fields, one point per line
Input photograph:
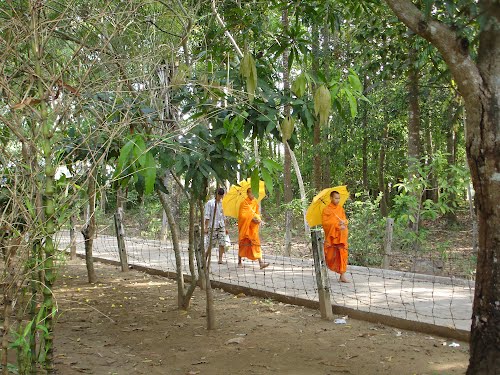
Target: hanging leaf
x=150 y=173
x=248 y=70
x=322 y=104
x=299 y=85
x=255 y=182
x=354 y=82
x=287 y=126
x=124 y=155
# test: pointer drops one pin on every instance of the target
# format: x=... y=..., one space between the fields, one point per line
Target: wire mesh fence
x=422 y=292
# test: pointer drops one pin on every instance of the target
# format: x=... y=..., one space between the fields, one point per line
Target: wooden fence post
x=325 y=305
x=389 y=226
x=120 y=236
x=198 y=249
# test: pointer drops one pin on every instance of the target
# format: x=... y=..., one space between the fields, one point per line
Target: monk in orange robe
x=335 y=226
x=248 y=231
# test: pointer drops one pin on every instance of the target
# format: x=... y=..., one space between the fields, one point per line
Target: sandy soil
x=128 y=324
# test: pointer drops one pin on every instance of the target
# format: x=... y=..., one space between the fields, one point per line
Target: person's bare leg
x=240 y=265
x=343 y=279
x=221 y=253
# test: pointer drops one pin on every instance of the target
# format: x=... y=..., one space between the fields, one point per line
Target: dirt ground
x=128 y=323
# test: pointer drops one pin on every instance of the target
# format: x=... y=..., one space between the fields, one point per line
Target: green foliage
x=366 y=230
x=136 y=162
x=410 y=205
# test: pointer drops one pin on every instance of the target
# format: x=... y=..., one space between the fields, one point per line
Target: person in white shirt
x=214 y=211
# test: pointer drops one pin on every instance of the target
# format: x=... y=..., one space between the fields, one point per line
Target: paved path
x=441 y=301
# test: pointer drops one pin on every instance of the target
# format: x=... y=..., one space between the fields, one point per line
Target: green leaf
x=355 y=82
x=266 y=176
x=140 y=150
x=150 y=173
x=124 y=155
x=272 y=165
x=255 y=182
x=353 y=105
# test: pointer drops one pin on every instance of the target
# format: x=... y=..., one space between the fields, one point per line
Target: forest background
x=148 y=105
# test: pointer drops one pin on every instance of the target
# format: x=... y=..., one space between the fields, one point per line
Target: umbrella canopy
x=320 y=201
x=237 y=194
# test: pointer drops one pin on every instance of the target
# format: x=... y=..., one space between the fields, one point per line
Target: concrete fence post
x=120 y=236
x=389 y=227
x=325 y=305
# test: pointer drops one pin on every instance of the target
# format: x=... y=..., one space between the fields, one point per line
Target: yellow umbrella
x=320 y=201
x=237 y=194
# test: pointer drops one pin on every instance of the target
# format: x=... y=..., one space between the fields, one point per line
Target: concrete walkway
x=431 y=300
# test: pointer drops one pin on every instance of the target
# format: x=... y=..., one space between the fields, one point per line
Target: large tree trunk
x=479 y=85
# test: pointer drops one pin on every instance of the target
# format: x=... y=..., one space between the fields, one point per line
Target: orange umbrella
x=237 y=194
x=320 y=201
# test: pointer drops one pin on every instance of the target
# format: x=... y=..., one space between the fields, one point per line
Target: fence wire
x=438 y=299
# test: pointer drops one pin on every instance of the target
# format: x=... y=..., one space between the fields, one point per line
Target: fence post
x=198 y=249
x=389 y=226
x=325 y=305
x=120 y=236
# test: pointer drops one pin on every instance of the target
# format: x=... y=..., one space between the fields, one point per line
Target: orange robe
x=335 y=246
x=248 y=230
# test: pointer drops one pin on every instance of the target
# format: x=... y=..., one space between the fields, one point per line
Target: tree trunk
x=414 y=144
x=384 y=209
x=89 y=228
x=9 y=248
x=206 y=274
x=429 y=150
x=183 y=295
x=48 y=188
x=287 y=171
x=177 y=250
x=364 y=146
x=479 y=86
x=317 y=128
x=451 y=144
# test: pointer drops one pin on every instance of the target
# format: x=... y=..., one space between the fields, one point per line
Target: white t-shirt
x=219 y=215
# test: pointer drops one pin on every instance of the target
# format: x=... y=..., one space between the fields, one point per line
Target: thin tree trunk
x=414 y=144
x=9 y=280
x=49 y=202
x=364 y=146
x=89 y=229
x=287 y=171
x=317 y=170
x=451 y=142
x=384 y=209
x=208 y=285
x=177 y=250
x=432 y=193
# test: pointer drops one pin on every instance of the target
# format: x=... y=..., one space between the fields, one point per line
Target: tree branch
x=453 y=49
x=228 y=34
